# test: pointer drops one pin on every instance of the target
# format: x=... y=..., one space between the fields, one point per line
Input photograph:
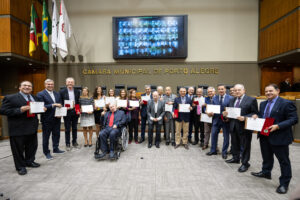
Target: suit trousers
x=23 y=144
x=191 y=123
x=48 y=128
x=198 y=125
x=282 y=153
x=170 y=128
x=143 y=127
x=243 y=140
x=214 y=137
x=150 y=132
x=106 y=133
x=71 y=120
x=207 y=132
x=181 y=125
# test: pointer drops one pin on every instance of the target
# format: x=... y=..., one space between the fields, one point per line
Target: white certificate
x=100 y=103
x=168 y=108
x=110 y=100
x=121 y=103
x=70 y=103
x=87 y=108
x=254 y=124
x=145 y=98
x=216 y=109
x=184 y=108
x=60 y=112
x=205 y=118
x=200 y=100
x=134 y=103
x=233 y=112
x=36 y=107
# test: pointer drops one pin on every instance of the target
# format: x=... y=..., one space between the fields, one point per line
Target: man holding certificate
x=219 y=122
x=182 y=108
x=144 y=100
x=22 y=127
x=240 y=137
x=284 y=114
x=70 y=96
x=155 y=112
x=50 y=123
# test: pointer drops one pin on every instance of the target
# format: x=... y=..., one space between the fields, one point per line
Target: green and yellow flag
x=47 y=28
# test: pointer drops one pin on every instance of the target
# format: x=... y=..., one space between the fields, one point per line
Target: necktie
x=221 y=101
x=237 y=105
x=111 y=120
x=28 y=97
x=267 y=113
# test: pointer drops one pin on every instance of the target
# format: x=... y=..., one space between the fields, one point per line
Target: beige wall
x=218 y=30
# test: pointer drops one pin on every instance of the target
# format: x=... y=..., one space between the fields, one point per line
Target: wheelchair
x=121 y=144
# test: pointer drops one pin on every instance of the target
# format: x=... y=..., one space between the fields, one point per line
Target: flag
x=64 y=30
x=47 y=28
x=35 y=30
x=54 y=38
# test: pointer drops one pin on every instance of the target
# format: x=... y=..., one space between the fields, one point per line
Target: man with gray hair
x=145 y=98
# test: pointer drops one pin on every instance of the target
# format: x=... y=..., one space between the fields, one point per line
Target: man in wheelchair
x=113 y=121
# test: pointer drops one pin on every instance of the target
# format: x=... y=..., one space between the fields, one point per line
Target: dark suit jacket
x=216 y=101
x=284 y=87
x=18 y=123
x=182 y=116
x=151 y=111
x=285 y=114
x=248 y=107
x=65 y=95
x=144 y=107
x=119 y=119
x=49 y=115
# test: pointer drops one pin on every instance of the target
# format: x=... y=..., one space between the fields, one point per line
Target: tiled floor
x=141 y=173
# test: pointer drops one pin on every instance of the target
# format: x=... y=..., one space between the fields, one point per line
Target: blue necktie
x=268 y=110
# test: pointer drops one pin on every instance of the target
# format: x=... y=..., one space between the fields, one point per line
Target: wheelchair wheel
x=97 y=149
x=124 y=139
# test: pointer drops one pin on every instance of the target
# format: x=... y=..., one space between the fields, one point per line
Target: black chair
x=153 y=87
x=118 y=88
x=204 y=87
x=104 y=89
x=131 y=87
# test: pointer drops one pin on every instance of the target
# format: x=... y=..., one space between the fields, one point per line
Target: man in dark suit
x=239 y=135
x=22 y=127
x=219 y=122
x=113 y=121
x=148 y=96
x=190 y=95
x=50 y=123
x=284 y=112
x=73 y=94
x=183 y=119
x=285 y=86
x=155 y=112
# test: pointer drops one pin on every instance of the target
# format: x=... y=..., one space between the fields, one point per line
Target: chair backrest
x=153 y=88
x=131 y=87
x=104 y=90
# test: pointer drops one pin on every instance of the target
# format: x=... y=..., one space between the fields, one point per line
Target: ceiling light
x=8 y=58
x=278 y=61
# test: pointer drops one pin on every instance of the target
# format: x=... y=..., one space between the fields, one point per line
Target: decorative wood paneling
x=35 y=76
x=5 y=39
x=4 y=7
x=271 y=10
x=281 y=37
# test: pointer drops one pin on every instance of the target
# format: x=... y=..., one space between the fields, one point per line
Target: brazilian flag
x=46 y=27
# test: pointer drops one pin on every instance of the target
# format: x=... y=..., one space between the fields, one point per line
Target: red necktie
x=111 y=120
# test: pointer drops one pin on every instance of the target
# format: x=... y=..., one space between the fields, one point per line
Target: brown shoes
x=204 y=147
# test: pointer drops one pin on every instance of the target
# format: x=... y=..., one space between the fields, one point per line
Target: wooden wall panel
x=21 y=9
x=36 y=76
x=271 y=10
x=5 y=40
x=281 y=37
x=4 y=7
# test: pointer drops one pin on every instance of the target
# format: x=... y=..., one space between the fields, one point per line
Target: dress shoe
x=141 y=141
x=149 y=146
x=204 y=147
x=22 y=171
x=282 y=189
x=243 y=168
x=176 y=146
x=58 y=151
x=167 y=143
x=85 y=145
x=33 y=164
x=75 y=145
x=211 y=153
x=68 y=147
x=261 y=175
x=224 y=156
x=173 y=144
x=100 y=156
x=195 y=142
x=157 y=145
x=49 y=157
x=186 y=146
x=111 y=155
x=232 y=160
x=201 y=144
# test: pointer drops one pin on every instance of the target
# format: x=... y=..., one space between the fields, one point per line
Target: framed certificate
x=60 y=112
x=233 y=112
x=36 y=107
x=134 y=104
x=185 y=108
x=205 y=118
x=69 y=104
x=100 y=103
x=87 y=108
x=168 y=108
x=122 y=103
x=216 y=109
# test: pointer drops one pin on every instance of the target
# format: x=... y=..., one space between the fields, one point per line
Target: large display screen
x=150 y=37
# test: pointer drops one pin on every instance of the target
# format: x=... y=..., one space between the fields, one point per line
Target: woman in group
x=123 y=96
x=87 y=119
x=134 y=112
x=98 y=95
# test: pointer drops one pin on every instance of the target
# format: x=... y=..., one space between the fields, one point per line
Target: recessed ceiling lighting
x=278 y=61
x=8 y=58
x=29 y=64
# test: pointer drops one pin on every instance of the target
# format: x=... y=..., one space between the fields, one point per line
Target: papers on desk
x=168 y=108
x=185 y=108
x=145 y=98
x=69 y=104
x=60 y=112
x=100 y=103
x=110 y=100
x=233 y=112
x=205 y=118
x=87 y=108
x=134 y=104
x=216 y=109
x=36 y=107
x=122 y=103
